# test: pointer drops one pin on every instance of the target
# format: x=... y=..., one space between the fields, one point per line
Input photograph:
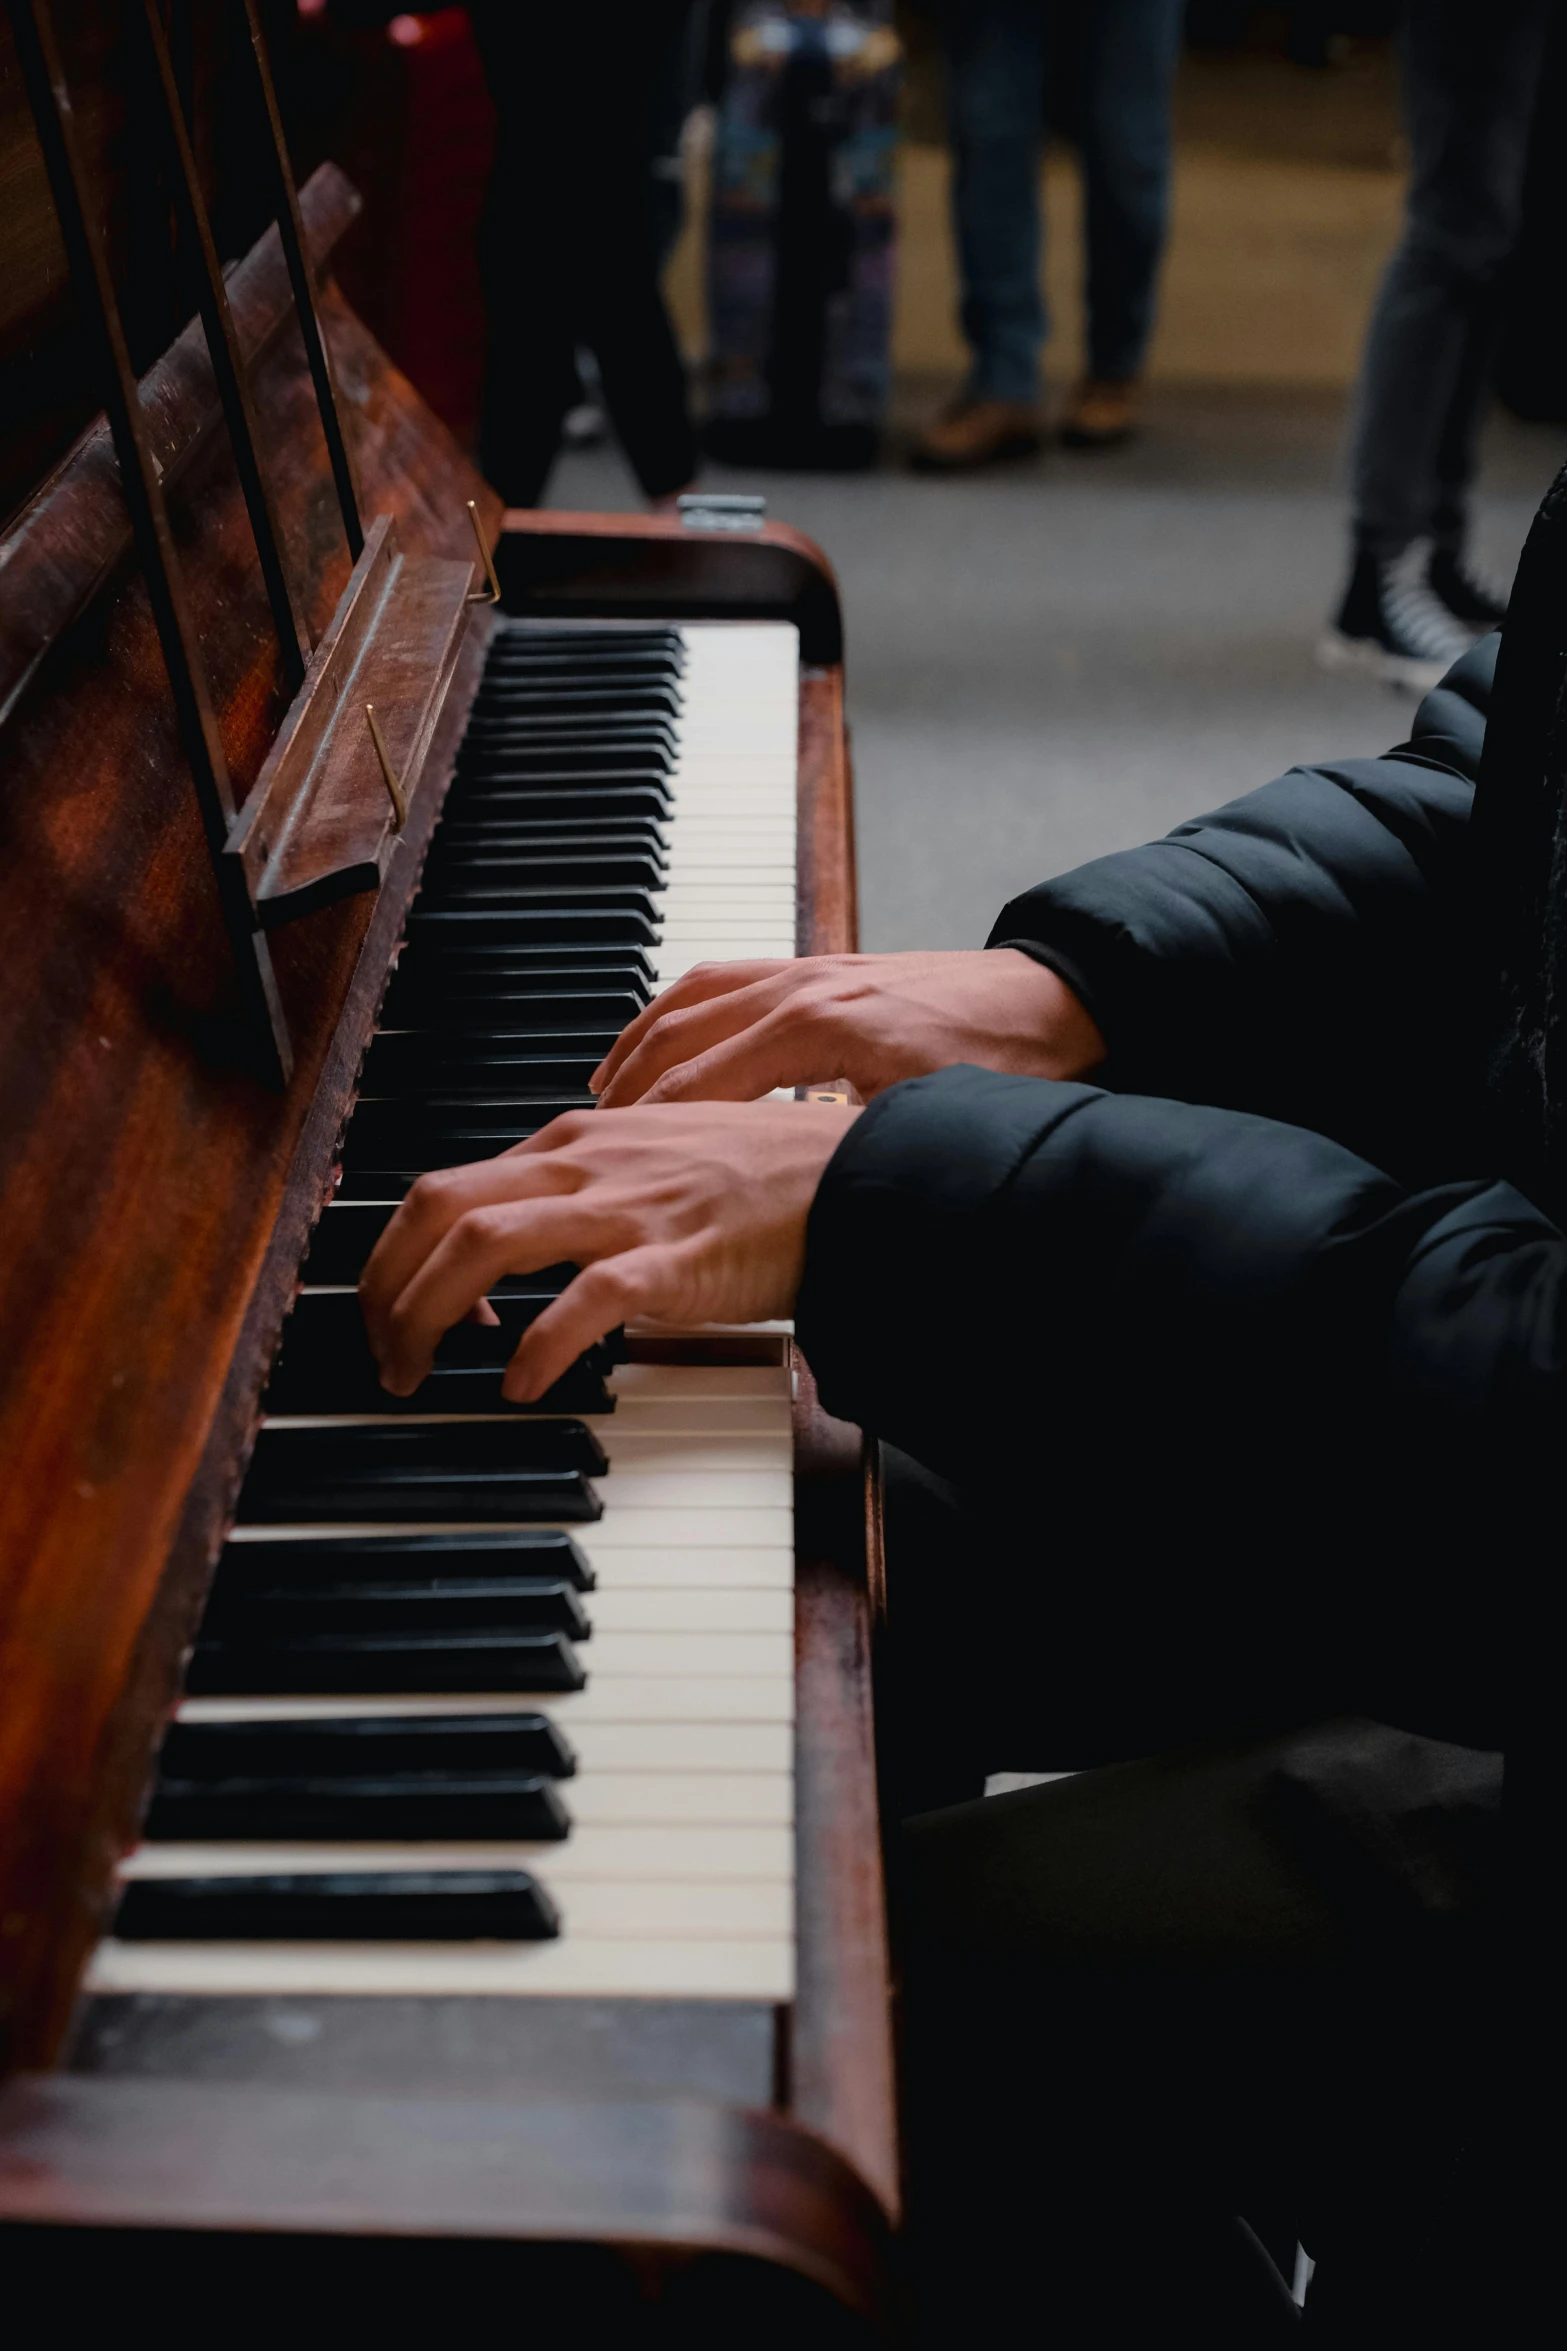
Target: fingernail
x=596 y=1080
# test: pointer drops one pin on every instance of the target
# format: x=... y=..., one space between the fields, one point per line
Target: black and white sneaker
x=1393 y=626
x=1471 y=599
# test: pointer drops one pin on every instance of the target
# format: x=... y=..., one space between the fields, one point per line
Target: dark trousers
x=569 y=241
x=1471 y=74
x=1124 y=53
x=1168 y=2017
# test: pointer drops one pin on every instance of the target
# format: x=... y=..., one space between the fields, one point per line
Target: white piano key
x=718 y=1382
x=684 y=1653
x=662 y=1608
x=692 y=1450
x=627 y=1799
x=608 y=1698
x=628 y=1528
x=713 y=1490
x=695 y=1416
x=654 y=1567
x=748 y=1908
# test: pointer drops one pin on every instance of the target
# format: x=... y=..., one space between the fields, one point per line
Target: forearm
x=1231 y=1327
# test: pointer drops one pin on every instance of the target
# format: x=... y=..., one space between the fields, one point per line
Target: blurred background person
x=1413 y=603
x=1123 y=55
x=570 y=243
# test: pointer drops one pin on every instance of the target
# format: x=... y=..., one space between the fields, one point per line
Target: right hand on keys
x=728 y=1032
x=683 y=1215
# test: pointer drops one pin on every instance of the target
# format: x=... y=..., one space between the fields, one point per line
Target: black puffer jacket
x=1287 y=1280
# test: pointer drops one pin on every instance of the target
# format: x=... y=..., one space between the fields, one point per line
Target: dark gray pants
x=1168 y=2016
x=1471 y=72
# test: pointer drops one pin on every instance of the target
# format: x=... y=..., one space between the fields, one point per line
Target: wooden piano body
x=158 y=1196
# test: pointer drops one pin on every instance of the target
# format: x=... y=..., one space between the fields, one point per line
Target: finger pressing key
x=697 y=986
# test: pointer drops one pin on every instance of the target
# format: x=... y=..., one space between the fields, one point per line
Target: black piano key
x=594 y=928
x=522 y=642
x=582 y=773
x=452 y=967
x=561 y=801
x=426 y=1135
x=656 y=737
x=341 y=1906
x=636 y=673
x=357 y=1746
x=515 y=634
x=544 y=649
x=511 y=1551
x=522 y=698
x=484 y=1498
x=568 y=905
x=454 y=1389
x=341 y=1244
x=479 y=1006
x=445 y=1604
x=462 y=1471
x=618 y=686
x=469 y=1041
x=305 y=1383
x=382 y=1665
x=400 y=1067
x=514 y=834
x=407 y=1808
x=340 y=1250
x=476 y=948
x=459 y=874
x=328 y=1453
x=325 y=1364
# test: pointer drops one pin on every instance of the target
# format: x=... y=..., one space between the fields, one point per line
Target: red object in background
x=417 y=137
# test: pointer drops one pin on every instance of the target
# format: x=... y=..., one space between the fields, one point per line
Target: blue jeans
x=1471 y=74
x=996 y=65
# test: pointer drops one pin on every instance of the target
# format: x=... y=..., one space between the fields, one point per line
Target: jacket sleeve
x=1237 y=1329
x=1305 y=952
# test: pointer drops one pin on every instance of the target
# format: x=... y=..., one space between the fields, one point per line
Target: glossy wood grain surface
x=148 y=1182
x=659 y=2174
x=636 y=566
x=68 y=541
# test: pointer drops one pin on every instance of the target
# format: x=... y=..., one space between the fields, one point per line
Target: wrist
x=1055 y=1027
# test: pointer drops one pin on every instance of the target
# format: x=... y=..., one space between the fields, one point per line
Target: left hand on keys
x=684 y=1213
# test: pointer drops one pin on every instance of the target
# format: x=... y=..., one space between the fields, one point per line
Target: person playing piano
x=1195 y=1255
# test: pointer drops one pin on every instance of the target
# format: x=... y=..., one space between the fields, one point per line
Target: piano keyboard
x=490 y=1700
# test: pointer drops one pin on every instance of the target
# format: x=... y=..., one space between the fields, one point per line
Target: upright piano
x=439 y=1851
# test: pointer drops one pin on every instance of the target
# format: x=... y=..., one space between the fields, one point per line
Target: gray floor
x=1075 y=654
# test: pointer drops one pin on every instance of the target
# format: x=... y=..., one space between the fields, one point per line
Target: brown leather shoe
x=977 y=432
x=1101 y=415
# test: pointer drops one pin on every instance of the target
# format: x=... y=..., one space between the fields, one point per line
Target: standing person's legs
x=995 y=83
x=1129 y=49
x=530 y=374
x=625 y=321
x=1470 y=78
x=568 y=242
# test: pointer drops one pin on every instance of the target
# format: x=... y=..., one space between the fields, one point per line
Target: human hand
x=731 y=1031
x=689 y=1213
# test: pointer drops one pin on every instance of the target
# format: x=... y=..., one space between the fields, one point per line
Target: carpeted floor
x=1071 y=655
